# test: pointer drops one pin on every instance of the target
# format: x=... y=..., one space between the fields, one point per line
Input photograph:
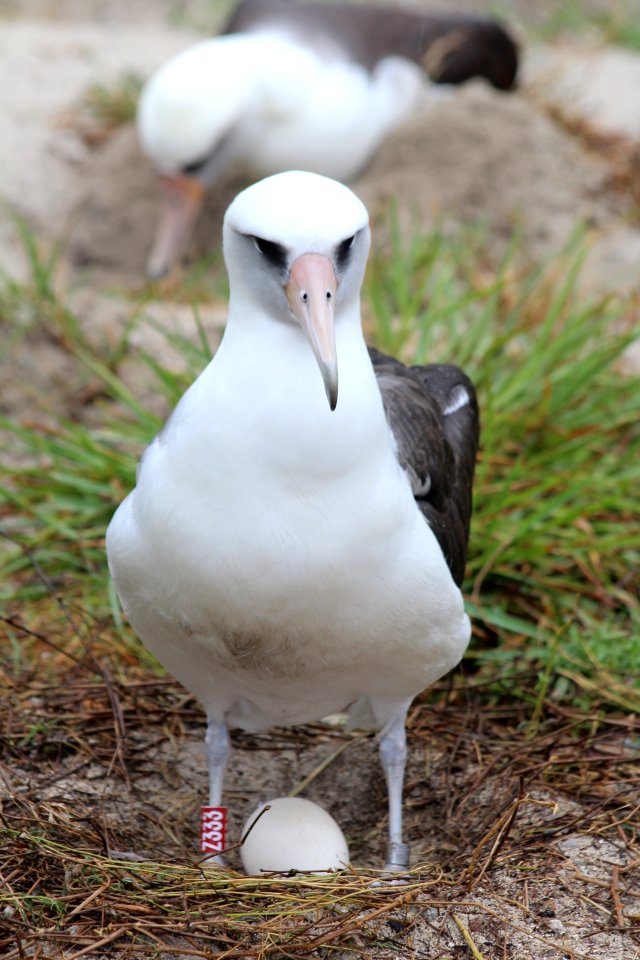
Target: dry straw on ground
x=527 y=830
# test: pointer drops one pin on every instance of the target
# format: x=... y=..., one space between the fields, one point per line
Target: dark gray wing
x=433 y=414
x=451 y=47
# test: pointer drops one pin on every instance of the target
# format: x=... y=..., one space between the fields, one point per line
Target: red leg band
x=213 y=829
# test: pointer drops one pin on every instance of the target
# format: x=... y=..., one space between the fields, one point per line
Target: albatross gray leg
x=217 y=743
x=393 y=755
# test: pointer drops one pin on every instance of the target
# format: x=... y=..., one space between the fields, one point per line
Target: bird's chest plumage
x=266 y=563
x=280 y=562
x=267 y=578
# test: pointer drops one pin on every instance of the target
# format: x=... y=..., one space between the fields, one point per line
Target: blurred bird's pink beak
x=311 y=292
x=181 y=199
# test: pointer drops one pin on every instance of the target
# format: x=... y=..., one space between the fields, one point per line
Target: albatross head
x=296 y=246
x=189 y=119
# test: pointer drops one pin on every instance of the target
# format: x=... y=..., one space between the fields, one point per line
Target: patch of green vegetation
x=112 y=105
x=24 y=302
x=615 y=23
x=202 y=280
x=208 y=19
x=554 y=537
x=554 y=556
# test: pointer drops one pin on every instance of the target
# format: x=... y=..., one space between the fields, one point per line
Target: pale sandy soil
x=472 y=155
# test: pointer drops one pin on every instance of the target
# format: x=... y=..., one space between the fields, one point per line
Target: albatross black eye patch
x=343 y=251
x=190 y=169
x=275 y=253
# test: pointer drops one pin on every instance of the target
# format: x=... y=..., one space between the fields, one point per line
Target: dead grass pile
x=499 y=800
x=495 y=806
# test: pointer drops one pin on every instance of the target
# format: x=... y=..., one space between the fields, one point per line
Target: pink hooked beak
x=179 y=206
x=311 y=292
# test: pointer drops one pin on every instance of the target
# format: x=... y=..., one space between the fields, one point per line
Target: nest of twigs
x=505 y=805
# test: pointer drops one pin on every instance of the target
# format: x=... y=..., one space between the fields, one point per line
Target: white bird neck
x=264 y=383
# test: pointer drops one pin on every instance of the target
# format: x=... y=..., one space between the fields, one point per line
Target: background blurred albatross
x=313 y=86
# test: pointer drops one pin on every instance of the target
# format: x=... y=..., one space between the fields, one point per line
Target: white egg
x=294 y=834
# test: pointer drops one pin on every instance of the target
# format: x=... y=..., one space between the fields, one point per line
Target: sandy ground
x=474 y=155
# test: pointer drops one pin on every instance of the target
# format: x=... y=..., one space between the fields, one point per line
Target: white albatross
x=291 y=550
x=311 y=86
